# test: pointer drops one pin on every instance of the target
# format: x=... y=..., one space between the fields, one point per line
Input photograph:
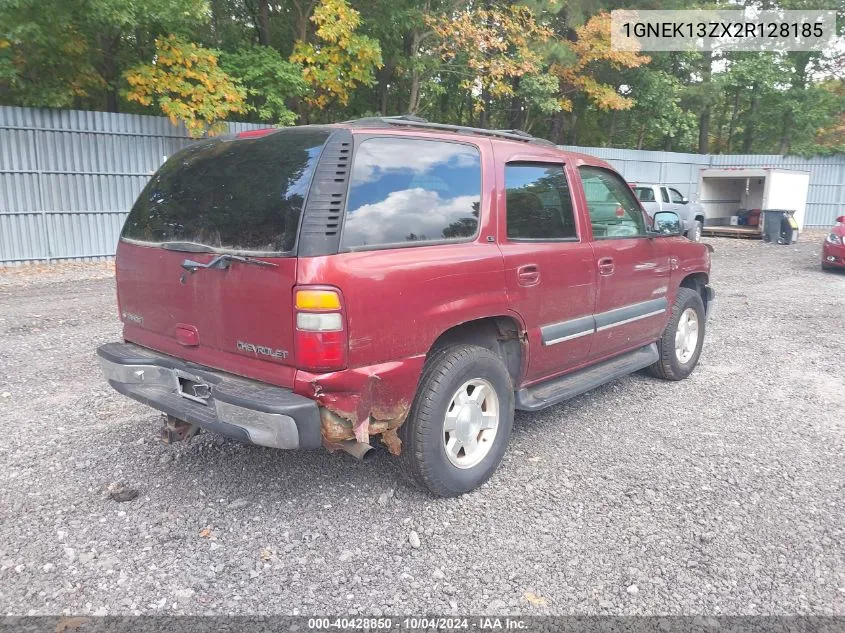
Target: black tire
x=423 y=455
x=669 y=366
x=694 y=234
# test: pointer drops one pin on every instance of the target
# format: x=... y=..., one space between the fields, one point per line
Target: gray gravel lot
x=722 y=494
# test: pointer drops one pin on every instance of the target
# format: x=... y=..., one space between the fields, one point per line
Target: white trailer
x=732 y=194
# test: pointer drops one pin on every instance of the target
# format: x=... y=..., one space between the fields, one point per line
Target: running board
x=565 y=387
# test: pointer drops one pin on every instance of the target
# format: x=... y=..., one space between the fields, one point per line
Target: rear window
x=240 y=195
x=406 y=192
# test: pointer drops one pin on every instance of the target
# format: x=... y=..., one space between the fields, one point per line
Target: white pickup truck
x=656 y=197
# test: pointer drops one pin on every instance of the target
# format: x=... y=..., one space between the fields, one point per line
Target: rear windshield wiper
x=223 y=261
x=188 y=247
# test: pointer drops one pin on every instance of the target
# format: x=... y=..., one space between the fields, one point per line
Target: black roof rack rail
x=410 y=120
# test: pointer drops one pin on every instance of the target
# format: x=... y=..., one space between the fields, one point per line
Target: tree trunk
x=611 y=129
x=109 y=71
x=732 y=123
x=515 y=111
x=264 y=22
x=641 y=137
x=414 y=97
x=786 y=135
x=413 y=54
x=573 y=139
x=704 y=118
x=556 y=133
x=484 y=117
x=748 y=133
x=303 y=13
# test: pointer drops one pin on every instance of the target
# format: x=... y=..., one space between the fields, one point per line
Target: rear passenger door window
x=538 y=203
x=614 y=211
x=407 y=192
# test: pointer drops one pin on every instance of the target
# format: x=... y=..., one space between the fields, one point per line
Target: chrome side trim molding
x=636 y=318
x=554 y=333
x=569 y=338
x=567 y=330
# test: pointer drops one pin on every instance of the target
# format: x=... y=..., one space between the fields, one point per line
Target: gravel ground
x=722 y=494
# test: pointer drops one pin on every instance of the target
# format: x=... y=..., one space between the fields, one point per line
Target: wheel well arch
x=503 y=335
x=699 y=217
x=697 y=282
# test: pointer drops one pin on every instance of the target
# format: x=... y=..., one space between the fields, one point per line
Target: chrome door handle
x=528 y=275
x=606 y=266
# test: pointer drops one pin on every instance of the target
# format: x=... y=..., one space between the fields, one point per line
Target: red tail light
x=321 y=337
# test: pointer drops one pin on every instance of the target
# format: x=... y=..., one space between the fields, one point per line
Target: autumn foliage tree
x=495 y=44
x=340 y=59
x=545 y=66
x=592 y=49
x=186 y=83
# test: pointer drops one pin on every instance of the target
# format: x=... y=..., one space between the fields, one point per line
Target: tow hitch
x=176 y=430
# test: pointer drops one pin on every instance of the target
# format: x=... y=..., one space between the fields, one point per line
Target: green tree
x=270 y=82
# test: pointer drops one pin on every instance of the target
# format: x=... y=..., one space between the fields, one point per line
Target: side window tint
x=676 y=196
x=664 y=194
x=614 y=211
x=412 y=190
x=538 y=203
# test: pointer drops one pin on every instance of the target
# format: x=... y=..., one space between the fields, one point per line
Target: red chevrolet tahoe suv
x=396 y=280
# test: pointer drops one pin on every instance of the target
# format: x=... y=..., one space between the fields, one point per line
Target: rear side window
x=238 y=195
x=664 y=194
x=406 y=191
x=538 y=203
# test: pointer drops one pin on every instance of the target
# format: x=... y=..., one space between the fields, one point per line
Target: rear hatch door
x=207 y=258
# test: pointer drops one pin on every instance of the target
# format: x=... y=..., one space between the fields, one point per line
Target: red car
x=833 y=250
x=396 y=280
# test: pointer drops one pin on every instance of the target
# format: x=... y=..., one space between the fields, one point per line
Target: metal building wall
x=673 y=168
x=825 y=198
x=68 y=178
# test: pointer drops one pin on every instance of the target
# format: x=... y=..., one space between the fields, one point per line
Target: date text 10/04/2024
x=480 y=623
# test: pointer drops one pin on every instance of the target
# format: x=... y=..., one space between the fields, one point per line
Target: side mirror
x=684 y=200
x=840 y=219
x=666 y=223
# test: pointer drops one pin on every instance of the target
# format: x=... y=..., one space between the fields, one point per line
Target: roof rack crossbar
x=406 y=120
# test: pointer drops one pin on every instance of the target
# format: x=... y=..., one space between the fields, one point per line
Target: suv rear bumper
x=236 y=407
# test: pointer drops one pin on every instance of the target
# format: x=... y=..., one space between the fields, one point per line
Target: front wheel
x=460 y=422
x=694 y=234
x=680 y=344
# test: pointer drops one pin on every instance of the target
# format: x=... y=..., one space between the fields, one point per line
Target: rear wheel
x=681 y=342
x=460 y=423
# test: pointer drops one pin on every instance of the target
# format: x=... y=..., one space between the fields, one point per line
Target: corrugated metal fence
x=68 y=178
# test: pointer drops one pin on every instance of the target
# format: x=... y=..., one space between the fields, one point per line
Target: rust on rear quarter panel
x=358 y=403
